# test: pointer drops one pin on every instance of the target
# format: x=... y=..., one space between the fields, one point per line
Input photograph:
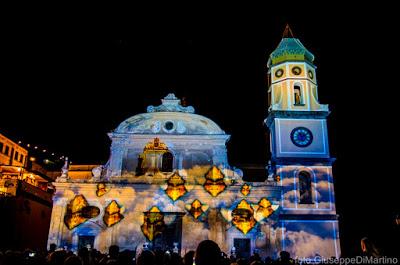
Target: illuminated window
x=167 y=162
x=297 y=95
x=21 y=158
x=16 y=154
x=305 y=187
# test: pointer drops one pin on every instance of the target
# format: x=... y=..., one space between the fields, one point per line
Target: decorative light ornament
x=245 y=190
x=153 y=223
x=176 y=187
x=214 y=181
x=265 y=209
x=112 y=214
x=79 y=211
x=243 y=217
x=196 y=208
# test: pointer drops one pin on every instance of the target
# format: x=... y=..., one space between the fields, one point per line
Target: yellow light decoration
x=101 y=189
x=196 y=208
x=245 y=190
x=155 y=145
x=176 y=187
x=112 y=214
x=243 y=217
x=214 y=181
x=153 y=223
x=79 y=211
x=265 y=209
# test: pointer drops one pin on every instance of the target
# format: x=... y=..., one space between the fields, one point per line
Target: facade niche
x=305 y=188
x=155 y=158
x=298 y=100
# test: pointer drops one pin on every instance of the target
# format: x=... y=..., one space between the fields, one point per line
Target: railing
x=36 y=191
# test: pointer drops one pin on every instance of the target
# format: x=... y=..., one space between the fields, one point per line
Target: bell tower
x=299 y=149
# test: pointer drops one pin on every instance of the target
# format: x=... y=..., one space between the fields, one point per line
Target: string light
x=36 y=147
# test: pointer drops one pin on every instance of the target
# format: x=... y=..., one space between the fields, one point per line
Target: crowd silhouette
x=206 y=253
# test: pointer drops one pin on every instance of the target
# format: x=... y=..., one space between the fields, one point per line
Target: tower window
x=167 y=162
x=298 y=100
x=305 y=187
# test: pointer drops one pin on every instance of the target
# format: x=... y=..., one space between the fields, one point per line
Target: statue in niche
x=96 y=172
x=297 y=96
x=155 y=158
x=64 y=172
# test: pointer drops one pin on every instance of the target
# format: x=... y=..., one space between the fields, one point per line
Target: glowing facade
x=168 y=182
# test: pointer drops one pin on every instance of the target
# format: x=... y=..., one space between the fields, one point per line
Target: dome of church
x=169 y=118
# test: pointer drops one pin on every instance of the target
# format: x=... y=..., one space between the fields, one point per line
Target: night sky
x=66 y=94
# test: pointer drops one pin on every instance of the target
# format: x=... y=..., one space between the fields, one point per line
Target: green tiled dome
x=290 y=49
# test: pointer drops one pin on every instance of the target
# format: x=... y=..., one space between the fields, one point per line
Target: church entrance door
x=242 y=246
x=84 y=241
x=171 y=235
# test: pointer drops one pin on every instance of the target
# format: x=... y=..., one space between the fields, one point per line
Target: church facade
x=168 y=183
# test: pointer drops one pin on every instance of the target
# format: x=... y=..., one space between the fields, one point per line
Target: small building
x=25 y=198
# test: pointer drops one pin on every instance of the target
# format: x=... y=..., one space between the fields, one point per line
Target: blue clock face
x=301 y=137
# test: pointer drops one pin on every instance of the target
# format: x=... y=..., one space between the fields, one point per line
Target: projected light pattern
x=196 y=208
x=245 y=190
x=153 y=223
x=265 y=209
x=79 y=211
x=112 y=214
x=243 y=217
x=214 y=181
x=176 y=187
x=101 y=189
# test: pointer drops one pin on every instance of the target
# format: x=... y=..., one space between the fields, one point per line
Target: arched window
x=298 y=100
x=167 y=162
x=305 y=187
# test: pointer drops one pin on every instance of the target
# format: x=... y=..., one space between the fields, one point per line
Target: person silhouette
x=208 y=253
x=368 y=248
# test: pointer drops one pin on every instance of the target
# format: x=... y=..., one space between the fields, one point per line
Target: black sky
x=66 y=93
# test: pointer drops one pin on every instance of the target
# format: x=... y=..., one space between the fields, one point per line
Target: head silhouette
x=113 y=251
x=208 y=253
x=147 y=257
x=368 y=248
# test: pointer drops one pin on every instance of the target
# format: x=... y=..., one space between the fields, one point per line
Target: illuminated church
x=168 y=183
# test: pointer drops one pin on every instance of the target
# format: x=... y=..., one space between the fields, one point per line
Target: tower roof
x=290 y=49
